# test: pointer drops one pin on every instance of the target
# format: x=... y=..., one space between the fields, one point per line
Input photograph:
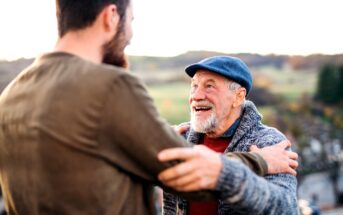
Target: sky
x=172 y=27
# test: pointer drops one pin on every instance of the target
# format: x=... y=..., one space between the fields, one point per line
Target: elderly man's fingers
x=253 y=148
x=284 y=144
x=292 y=171
x=293 y=164
x=182 y=128
x=292 y=155
x=176 y=171
x=176 y=154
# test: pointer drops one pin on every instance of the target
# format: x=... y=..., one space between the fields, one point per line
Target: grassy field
x=286 y=82
x=171 y=99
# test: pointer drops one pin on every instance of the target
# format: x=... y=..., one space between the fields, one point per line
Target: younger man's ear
x=111 y=17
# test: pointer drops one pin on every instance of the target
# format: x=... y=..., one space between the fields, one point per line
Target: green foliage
x=329 y=86
x=340 y=82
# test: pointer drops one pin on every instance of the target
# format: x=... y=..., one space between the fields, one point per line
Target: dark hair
x=78 y=14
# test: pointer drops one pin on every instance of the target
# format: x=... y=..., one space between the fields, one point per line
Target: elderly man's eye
x=193 y=87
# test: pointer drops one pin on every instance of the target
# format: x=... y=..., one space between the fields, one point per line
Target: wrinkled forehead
x=206 y=75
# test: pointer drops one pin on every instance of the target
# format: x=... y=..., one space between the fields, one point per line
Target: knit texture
x=241 y=191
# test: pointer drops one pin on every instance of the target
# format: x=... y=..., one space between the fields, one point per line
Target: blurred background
x=300 y=95
x=294 y=49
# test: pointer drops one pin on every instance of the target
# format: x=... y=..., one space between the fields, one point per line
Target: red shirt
x=210 y=207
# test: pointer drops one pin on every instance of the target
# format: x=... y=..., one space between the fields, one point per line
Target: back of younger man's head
x=78 y=14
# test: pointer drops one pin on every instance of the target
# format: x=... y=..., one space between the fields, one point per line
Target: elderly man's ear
x=240 y=96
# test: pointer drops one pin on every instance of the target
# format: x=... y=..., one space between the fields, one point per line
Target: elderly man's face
x=210 y=101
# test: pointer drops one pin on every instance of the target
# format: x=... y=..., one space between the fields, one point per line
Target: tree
x=340 y=83
x=327 y=86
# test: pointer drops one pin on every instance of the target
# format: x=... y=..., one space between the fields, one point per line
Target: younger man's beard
x=114 y=49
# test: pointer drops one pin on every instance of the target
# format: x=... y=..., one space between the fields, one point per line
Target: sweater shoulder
x=265 y=135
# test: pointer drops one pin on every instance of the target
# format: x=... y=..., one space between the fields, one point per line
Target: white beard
x=204 y=126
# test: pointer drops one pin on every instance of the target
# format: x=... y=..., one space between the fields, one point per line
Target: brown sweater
x=80 y=138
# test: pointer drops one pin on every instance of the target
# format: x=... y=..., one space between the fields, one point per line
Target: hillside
x=149 y=65
x=310 y=62
x=10 y=69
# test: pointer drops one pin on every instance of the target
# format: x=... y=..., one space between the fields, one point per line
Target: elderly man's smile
x=202 y=109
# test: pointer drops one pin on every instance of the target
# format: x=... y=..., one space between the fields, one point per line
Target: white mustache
x=202 y=103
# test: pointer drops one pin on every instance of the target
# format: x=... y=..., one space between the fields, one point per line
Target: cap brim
x=192 y=69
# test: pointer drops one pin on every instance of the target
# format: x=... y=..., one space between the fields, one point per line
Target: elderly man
x=224 y=121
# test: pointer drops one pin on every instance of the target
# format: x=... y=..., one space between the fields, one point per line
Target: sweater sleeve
x=247 y=193
x=171 y=200
x=254 y=161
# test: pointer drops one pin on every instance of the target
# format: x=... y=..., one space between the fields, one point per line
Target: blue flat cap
x=230 y=67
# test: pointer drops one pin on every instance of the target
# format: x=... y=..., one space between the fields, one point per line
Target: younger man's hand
x=199 y=170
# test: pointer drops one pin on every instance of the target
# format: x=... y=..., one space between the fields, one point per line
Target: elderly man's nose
x=198 y=94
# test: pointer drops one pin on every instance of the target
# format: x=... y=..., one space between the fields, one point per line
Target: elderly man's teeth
x=202 y=108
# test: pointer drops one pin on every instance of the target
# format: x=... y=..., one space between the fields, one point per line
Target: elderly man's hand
x=182 y=128
x=199 y=170
x=278 y=159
